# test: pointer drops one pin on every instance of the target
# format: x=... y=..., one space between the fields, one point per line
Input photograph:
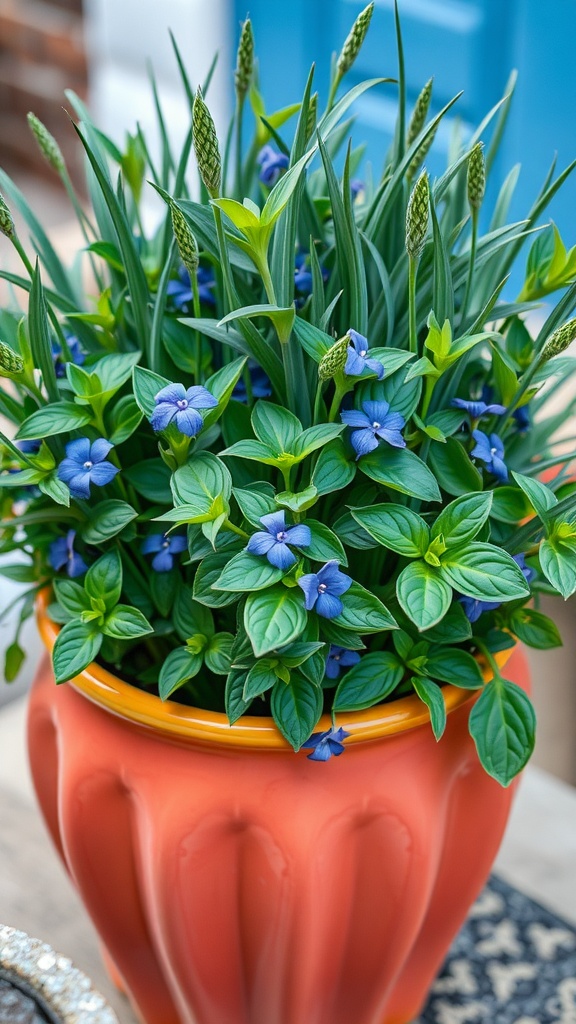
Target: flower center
x=364 y=352
x=336 y=657
x=166 y=544
x=322 y=588
x=88 y=464
x=376 y=425
x=182 y=403
x=493 y=451
x=281 y=536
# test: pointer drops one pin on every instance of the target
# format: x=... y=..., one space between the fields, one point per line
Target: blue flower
x=490 y=450
x=324 y=744
x=478 y=409
x=61 y=555
x=357 y=360
x=165 y=548
x=77 y=356
x=521 y=417
x=86 y=464
x=473 y=609
x=274 y=542
x=339 y=657
x=180 y=289
x=260 y=384
x=373 y=422
x=302 y=273
x=357 y=186
x=322 y=589
x=29 y=447
x=272 y=164
x=175 y=404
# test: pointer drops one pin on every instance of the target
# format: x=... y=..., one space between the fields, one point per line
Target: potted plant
x=278 y=474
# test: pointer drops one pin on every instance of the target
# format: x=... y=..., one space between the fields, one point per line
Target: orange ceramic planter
x=235 y=882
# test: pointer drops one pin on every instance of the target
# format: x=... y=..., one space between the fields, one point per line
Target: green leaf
x=76 y=647
x=314 y=341
x=107 y=519
x=297 y=501
x=363 y=612
x=510 y=505
x=39 y=332
x=218 y=654
x=126 y=623
x=334 y=469
x=453 y=468
x=71 y=596
x=151 y=479
x=535 y=629
x=104 y=579
x=423 y=594
x=246 y=572
x=399 y=469
x=260 y=678
x=254 y=503
x=233 y=699
x=207 y=573
x=146 y=386
x=484 y=572
x=275 y=427
x=558 y=563
x=375 y=677
x=14 y=656
x=395 y=527
x=203 y=484
x=431 y=694
x=254 y=450
x=455 y=627
x=282 y=319
x=502 y=725
x=57 y=418
x=273 y=618
x=540 y=497
x=296 y=708
x=190 y=617
x=114 y=370
x=316 y=437
x=324 y=544
x=180 y=666
x=463 y=518
x=164 y=586
x=125 y=418
x=55 y=489
x=451 y=665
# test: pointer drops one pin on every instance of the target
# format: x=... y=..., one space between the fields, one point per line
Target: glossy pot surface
x=235 y=882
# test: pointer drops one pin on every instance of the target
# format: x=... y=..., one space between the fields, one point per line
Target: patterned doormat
x=513 y=963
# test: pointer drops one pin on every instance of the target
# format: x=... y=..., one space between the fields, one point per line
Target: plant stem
x=334 y=408
x=198 y=376
x=238 y=188
x=235 y=529
x=412 y=268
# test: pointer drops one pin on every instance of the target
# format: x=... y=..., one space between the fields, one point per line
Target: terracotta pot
x=235 y=882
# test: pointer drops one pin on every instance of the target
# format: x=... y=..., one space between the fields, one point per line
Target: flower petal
x=189 y=422
x=153 y=542
x=260 y=543
x=171 y=393
x=355 y=418
x=329 y=606
x=354 y=365
x=376 y=411
x=200 y=398
x=280 y=556
x=78 y=450
x=163 y=561
x=393 y=437
x=178 y=543
x=103 y=473
x=363 y=441
x=376 y=367
x=275 y=522
x=80 y=484
x=309 y=584
x=99 y=449
x=163 y=415
x=299 y=535
x=68 y=469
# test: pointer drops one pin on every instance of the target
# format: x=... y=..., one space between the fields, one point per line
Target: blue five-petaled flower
x=61 y=554
x=86 y=464
x=274 y=541
x=478 y=409
x=357 y=360
x=175 y=404
x=339 y=657
x=375 y=421
x=272 y=164
x=322 y=589
x=164 y=548
x=473 y=607
x=324 y=744
x=490 y=451
x=180 y=289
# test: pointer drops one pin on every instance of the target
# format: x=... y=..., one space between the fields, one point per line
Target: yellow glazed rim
x=196 y=725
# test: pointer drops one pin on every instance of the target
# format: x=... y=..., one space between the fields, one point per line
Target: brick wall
x=41 y=54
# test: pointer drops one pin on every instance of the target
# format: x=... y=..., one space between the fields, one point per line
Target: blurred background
x=101 y=48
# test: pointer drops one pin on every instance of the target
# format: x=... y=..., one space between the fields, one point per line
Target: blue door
x=465 y=44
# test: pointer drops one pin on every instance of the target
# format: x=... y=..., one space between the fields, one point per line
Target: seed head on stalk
x=476 y=181
x=559 y=341
x=206 y=146
x=46 y=143
x=417 y=215
x=354 y=41
x=187 y=245
x=244 y=60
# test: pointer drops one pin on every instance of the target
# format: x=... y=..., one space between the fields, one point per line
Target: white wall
x=121 y=35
